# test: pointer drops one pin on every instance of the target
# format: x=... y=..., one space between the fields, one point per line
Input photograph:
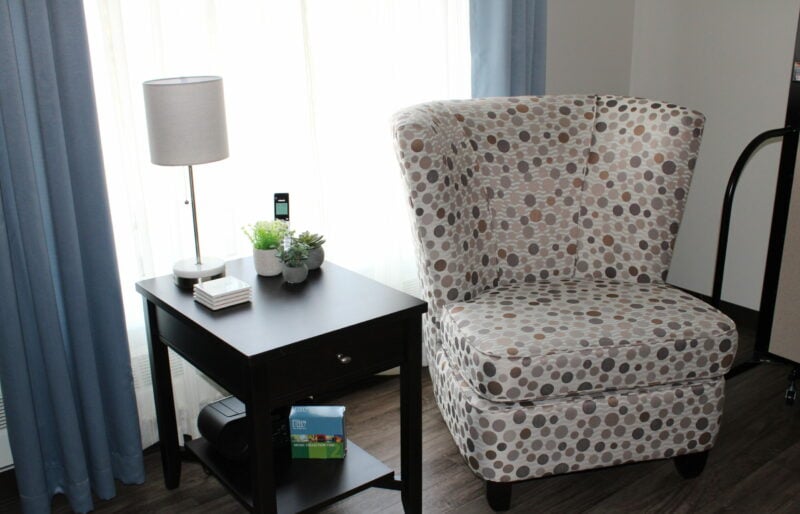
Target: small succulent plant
x=311 y=240
x=295 y=255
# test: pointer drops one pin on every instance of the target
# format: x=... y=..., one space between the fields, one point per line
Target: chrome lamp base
x=186 y=273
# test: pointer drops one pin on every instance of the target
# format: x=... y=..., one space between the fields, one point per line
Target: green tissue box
x=317 y=432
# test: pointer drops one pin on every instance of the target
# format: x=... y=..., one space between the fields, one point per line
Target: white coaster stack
x=222 y=292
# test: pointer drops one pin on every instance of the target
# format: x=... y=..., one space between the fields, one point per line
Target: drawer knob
x=344 y=359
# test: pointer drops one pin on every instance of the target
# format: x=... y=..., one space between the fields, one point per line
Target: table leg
x=164 y=400
x=261 y=453
x=411 y=418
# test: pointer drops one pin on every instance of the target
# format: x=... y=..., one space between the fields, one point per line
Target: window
x=309 y=87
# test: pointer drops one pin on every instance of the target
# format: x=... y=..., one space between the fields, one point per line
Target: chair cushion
x=519 y=440
x=549 y=339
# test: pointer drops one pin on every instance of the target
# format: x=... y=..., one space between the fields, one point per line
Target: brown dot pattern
x=531 y=157
x=507 y=442
x=544 y=231
x=522 y=189
x=557 y=338
x=448 y=205
x=639 y=169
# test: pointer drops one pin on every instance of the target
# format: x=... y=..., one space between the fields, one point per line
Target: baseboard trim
x=8 y=486
x=744 y=316
x=741 y=368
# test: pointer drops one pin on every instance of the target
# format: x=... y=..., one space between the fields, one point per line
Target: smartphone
x=282 y=206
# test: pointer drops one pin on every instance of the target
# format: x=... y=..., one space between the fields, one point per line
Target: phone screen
x=282 y=206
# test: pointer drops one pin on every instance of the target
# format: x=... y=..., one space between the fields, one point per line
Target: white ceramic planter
x=267 y=263
x=316 y=256
x=295 y=275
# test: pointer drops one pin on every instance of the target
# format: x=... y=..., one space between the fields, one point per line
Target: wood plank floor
x=754 y=467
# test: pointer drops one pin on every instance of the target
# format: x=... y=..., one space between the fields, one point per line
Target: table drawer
x=335 y=361
x=213 y=357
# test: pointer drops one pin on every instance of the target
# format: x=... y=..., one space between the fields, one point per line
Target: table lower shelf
x=306 y=483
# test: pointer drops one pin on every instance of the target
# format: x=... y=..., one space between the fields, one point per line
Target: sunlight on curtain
x=309 y=90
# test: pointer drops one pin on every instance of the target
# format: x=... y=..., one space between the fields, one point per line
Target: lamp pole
x=194 y=217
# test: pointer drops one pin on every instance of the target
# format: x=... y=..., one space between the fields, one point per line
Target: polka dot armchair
x=544 y=230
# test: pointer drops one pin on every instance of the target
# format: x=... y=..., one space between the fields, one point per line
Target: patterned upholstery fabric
x=511 y=189
x=544 y=232
x=565 y=337
x=640 y=166
x=449 y=204
x=506 y=442
x=531 y=155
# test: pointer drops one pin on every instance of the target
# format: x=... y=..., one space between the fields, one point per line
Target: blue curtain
x=508 y=46
x=64 y=361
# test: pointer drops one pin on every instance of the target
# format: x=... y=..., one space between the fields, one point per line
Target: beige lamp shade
x=186 y=120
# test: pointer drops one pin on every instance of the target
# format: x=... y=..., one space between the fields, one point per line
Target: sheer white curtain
x=309 y=88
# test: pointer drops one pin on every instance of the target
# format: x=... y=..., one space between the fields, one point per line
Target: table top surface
x=280 y=314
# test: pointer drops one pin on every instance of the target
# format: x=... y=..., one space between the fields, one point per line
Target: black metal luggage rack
x=780 y=214
x=761 y=352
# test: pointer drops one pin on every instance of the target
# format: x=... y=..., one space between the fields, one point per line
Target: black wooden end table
x=289 y=343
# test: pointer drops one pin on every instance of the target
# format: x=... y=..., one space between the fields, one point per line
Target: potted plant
x=316 y=254
x=267 y=237
x=294 y=257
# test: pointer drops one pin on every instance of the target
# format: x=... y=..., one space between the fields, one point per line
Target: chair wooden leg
x=498 y=494
x=691 y=465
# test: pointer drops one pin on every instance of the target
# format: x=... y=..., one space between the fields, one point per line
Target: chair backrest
x=449 y=208
x=531 y=155
x=529 y=188
x=637 y=180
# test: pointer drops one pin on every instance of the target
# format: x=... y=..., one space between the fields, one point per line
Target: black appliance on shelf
x=223 y=424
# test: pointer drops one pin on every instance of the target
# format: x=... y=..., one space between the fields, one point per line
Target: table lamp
x=186 y=126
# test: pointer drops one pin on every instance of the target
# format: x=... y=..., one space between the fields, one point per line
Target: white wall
x=731 y=60
x=589 y=46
